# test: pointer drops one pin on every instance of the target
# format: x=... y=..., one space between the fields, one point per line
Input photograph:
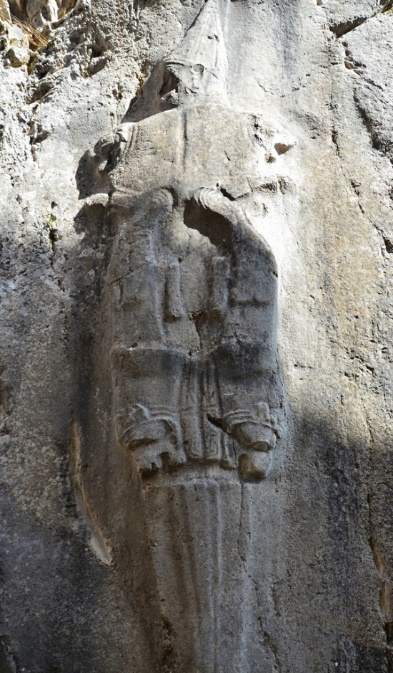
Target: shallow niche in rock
x=388 y=244
x=96 y=65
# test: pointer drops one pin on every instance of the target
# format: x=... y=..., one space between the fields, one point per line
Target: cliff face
x=258 y=137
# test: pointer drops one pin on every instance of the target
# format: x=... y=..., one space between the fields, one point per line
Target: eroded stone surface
x=308 y=548
x=196 y=396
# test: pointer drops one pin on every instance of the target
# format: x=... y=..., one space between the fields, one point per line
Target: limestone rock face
x=196 y=321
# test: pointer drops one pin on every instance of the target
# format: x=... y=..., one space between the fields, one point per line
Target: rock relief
x=196 y=393
x=194 y=286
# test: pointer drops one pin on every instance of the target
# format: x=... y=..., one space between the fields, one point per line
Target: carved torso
x=194 y=295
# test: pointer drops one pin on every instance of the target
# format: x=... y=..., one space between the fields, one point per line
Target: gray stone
x=196 y=398
x=182 y=182
x=16 y=56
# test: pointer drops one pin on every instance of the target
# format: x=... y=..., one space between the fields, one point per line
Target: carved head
x=194 y=81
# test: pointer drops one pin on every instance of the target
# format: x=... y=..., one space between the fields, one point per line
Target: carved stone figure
x=197 y=394
x=194 y=356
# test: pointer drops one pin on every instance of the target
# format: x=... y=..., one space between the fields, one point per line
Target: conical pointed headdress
x=203 y=45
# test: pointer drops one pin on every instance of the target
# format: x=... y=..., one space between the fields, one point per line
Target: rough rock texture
x=96 y=567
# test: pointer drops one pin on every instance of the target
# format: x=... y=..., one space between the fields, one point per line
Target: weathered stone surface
x=111 y=142
x=195 y=399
